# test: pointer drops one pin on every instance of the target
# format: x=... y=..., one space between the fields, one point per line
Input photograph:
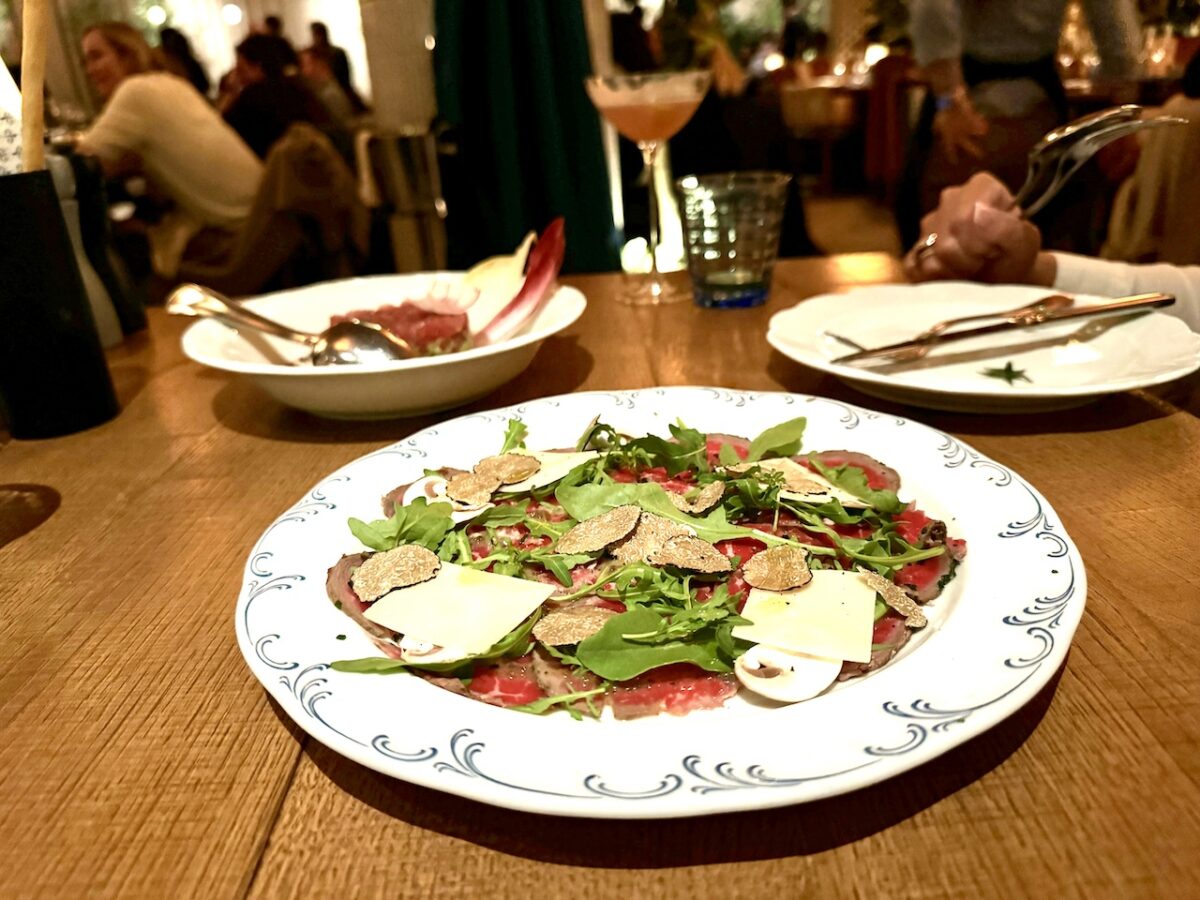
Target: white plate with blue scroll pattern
x=998 y=633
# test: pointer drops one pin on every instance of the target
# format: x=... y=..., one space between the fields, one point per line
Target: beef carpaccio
x=645 y=574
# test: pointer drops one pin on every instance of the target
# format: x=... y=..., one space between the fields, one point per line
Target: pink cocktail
x=646 y=122
x=649 y=110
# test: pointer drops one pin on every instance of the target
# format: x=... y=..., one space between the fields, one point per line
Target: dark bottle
x=54 y=379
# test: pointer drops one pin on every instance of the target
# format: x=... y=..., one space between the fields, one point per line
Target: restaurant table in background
x=141 y=758
x=1087 y=96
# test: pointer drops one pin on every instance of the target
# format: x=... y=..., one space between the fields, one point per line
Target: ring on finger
x=926 y=247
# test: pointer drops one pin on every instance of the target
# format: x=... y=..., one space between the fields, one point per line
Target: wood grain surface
x=139 y=757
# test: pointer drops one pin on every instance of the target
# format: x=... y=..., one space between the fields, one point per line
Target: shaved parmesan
x=462 y=608
x=832 y=616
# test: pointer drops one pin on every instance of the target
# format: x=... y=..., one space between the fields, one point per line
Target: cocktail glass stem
x=649 y=157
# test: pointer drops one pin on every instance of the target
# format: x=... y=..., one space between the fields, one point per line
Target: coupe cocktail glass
x=649 y=109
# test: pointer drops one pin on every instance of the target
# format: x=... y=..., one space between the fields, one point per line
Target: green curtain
x=510 y=90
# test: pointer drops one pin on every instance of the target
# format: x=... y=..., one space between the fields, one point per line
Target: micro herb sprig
x=1009 y=374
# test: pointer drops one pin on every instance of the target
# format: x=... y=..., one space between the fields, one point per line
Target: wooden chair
x=821 y=114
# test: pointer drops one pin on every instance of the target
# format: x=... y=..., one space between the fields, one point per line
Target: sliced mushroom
x=418 y=653
x=783 y=675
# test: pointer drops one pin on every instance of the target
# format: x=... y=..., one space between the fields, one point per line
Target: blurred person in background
x=1154 y=213
x=994 y=90
x=981 y=237
x=316 y=65
x=273 y=28
x=339 y=64
x=156 y=124
x=269 y=96
x=178 y=59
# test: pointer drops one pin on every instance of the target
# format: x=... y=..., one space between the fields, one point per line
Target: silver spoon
x=348 y=342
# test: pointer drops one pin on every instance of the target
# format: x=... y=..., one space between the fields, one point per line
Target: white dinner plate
x=997 y=634
x=407 y=387
x=1067 y=364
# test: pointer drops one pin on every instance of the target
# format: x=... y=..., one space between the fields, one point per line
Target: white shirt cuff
x=1086 y=275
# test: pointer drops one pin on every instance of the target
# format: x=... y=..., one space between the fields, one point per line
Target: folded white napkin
x=10 y=124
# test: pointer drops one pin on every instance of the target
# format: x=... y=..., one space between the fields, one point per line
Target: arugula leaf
x=597 y=436
x=686 y=451
x=371 y=665
x=456 y=548
x=503 y=514
x=695 y=441
x=553 y=530
x=727 y=456
x=752 y=491
x=514 y=435
x=545 y=704
x=565 y=658
x=582 y=501
x=778 y=440
x=727 y=645
x=609 y=654
x=506 y=646
x=832 y=510
x=661 y=452
x=560 y=564
x=417 y=523
x=515 y=643
x=853 y=480
x=684 y=623
x=874 y=550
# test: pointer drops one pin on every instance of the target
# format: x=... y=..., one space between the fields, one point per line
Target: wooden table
x=138 y=757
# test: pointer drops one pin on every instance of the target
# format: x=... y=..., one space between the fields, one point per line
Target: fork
x=1022 y=315
x=1064 y=150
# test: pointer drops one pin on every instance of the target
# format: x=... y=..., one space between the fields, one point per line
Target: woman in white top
x=981 y=237
x=157 y=123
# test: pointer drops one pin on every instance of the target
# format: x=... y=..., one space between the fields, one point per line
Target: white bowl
x=405 y=388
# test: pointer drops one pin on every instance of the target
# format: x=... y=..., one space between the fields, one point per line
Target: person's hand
x=959 y=126
x=729 y=78
x=975 y=233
